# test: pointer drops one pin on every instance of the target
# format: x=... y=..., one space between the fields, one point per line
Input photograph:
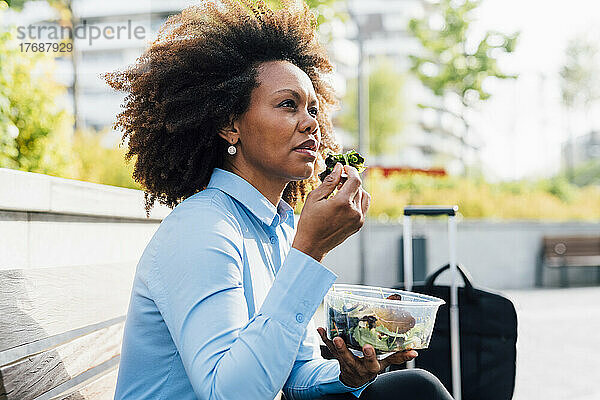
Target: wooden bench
x=59 y=337
x=68 y=251
x=564 y=252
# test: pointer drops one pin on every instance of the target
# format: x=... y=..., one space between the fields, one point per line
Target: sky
x=524 y=124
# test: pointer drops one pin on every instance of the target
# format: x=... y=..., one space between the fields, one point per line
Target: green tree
x=98 y=163
x=446 y=65
x=449 y=62
x=8 y=3
x=34 y=129
x=323 y=9
x=386 y=107
x=18 y=4
x=580 y=88
x=580 y=85
x=587 y=173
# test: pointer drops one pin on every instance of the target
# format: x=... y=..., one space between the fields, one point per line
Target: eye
x=288 y=102
x=291 y=103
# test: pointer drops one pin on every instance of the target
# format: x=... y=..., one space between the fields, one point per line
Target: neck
x=271 y=188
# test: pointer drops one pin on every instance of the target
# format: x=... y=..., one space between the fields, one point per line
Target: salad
x=351 y=158
x=386 y=329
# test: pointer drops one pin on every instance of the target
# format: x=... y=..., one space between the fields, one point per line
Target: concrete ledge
x=499 y=254
x=27 y=191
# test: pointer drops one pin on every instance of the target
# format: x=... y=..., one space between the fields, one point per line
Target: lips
x=310 y=144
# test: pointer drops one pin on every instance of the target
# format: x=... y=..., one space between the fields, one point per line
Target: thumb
x=330 y=182
x=398 y=358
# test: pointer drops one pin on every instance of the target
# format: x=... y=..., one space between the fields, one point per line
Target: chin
x=304 y=173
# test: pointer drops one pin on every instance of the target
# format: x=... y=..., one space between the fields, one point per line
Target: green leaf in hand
x=352 y=158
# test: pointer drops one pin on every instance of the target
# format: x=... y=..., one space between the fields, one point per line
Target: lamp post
x=363 y=126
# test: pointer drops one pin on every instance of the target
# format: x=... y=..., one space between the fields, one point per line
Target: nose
x=309 y=124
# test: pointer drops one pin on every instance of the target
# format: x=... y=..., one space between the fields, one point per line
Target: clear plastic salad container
x=390 y=320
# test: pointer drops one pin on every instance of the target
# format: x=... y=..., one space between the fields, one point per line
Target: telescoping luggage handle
x=431 y=210
x=450 y=211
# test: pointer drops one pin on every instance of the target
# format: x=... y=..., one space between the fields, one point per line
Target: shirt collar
x=241 y=190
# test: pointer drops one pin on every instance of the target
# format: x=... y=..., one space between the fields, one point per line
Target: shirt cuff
x=337 y=386
x=357 y=391
x=298 y=290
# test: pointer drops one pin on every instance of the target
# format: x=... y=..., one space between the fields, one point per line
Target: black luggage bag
x=488 y=336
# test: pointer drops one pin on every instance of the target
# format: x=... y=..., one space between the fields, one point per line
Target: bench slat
x=102 y=388
x=579 y=261
x=36 y=304
x=39 y=373
x=571 y=246
x=572 y=250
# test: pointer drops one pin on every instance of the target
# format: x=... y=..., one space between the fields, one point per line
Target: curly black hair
x=200 y=71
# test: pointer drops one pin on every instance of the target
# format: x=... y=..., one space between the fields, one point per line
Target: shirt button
x=299 y=318
x=273 y=239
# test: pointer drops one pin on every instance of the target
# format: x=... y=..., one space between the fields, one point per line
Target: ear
x=230 y=132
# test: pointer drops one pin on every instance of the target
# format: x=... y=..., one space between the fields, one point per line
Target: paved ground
x=558 y=347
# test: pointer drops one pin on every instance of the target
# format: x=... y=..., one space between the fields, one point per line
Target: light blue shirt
x=222 y=305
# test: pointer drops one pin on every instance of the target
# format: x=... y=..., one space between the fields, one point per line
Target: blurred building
x=430 y=138
x=108 y=35
x=581 y=150
x=97 y=104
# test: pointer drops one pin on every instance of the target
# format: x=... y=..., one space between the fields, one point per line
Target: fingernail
x=368 y=351
x=338 y=166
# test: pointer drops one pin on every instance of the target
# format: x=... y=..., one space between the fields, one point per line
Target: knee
x=411 y=383
x=427 y=383
x=424 y=376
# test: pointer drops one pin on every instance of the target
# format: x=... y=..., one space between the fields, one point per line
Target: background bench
x=564 y=252
x=67 y=260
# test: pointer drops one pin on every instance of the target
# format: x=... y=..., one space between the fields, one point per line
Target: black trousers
x=407 y=384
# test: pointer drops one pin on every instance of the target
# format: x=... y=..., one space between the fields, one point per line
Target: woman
x=226 y=115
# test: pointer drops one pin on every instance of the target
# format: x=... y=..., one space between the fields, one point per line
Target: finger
x=329 y=184
x=358 y=199
x=343 y=178
x=343 y=354
x=338 y=349
x=398 y=358
x=369 y=360
x=352 y=184
x=327 y=341
x=365 y=202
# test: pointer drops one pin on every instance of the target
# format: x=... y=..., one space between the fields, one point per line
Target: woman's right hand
x=327 y=221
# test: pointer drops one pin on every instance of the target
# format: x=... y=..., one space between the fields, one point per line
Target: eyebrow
x=296 y=95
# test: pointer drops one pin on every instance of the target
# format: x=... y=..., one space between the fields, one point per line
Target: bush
x=551 y=199
x=94 y=162
x=587 y=173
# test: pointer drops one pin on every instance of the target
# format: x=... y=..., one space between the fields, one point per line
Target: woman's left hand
x=356 y=371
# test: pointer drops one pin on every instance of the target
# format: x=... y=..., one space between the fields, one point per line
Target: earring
x=231 y=150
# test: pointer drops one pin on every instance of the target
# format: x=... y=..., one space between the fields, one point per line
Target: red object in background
x=406 y=170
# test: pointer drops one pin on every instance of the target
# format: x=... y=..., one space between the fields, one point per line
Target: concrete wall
x=53 y=222
x=499 y=255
